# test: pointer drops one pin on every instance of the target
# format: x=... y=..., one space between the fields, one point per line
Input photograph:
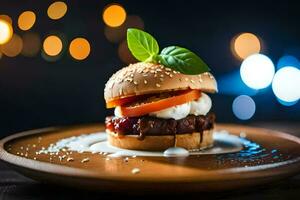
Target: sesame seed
x=157 y=85
x=135 y=171
x=171 y=75
x=85 y=160
x=145 y=81
x=186 y=79
x=107 y=158
x=134 y=156
x=192 y=81
x=162 y=75
x=34 y=158
x=161 y=79
x=135 y=83
x=70 y=159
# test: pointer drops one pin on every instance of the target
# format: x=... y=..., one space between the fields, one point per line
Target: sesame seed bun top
x=146 y=78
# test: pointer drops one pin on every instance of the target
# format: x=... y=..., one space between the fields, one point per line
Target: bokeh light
x=114 y=15
x=57 y=10
x=125 y=54
x=6 y=31
x=26 y=20
x=286 y=84
x=6 y=18
x=31 y=44
x=117 y=34
x=79 y=48
x=52 y=45
x=245 y=45
x=257 y=71
x=243 y=107
x=13 y=47
x=285 y=103
x=232 y=84
x=288 y=60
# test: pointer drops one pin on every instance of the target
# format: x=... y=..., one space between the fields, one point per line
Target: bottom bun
x=190 y=141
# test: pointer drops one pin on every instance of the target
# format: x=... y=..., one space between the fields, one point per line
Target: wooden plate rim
x=289 y=167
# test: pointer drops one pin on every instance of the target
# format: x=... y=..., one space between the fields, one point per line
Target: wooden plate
x=273 y=155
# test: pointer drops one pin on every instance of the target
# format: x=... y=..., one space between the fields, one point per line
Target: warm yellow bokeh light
x=57 y=10
x=6 y=18
x=114 y=15
x=6 y=31
x=13 y=47
x=31 y=44
x=26 y=20
x=79 y=48
x=246 y=44
x=52 y=45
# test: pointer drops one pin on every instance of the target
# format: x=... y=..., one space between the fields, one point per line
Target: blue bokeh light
x=232 y=84
x=286 y=83
x=286 y=103
x=288 y=60
x=243 y=107
x=257 y=71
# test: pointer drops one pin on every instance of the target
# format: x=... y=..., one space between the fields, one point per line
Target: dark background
x=36 y=93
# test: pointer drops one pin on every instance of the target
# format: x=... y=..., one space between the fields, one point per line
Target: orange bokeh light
x=6 y=18
x=79 y=48
x=114 y=15
x=26 y=20
x=31 y=44
x=57 y=10
x=52 y=45
x=246 y=44
x=13 y=47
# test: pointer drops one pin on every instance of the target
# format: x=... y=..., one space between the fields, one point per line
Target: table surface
x=16 y=186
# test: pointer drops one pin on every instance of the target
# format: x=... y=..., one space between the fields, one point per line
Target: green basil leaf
x=142 y=45
x=182 y=60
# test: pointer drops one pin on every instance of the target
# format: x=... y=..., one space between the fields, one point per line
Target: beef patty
x=152 y=126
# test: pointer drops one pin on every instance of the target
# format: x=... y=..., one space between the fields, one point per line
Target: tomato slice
x=131 y=99
x=121 y=101
x=144 y=108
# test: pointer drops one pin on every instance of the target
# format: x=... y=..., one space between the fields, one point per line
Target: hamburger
x=156 y=107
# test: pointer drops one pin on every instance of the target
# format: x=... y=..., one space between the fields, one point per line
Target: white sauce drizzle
x=97 y=143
